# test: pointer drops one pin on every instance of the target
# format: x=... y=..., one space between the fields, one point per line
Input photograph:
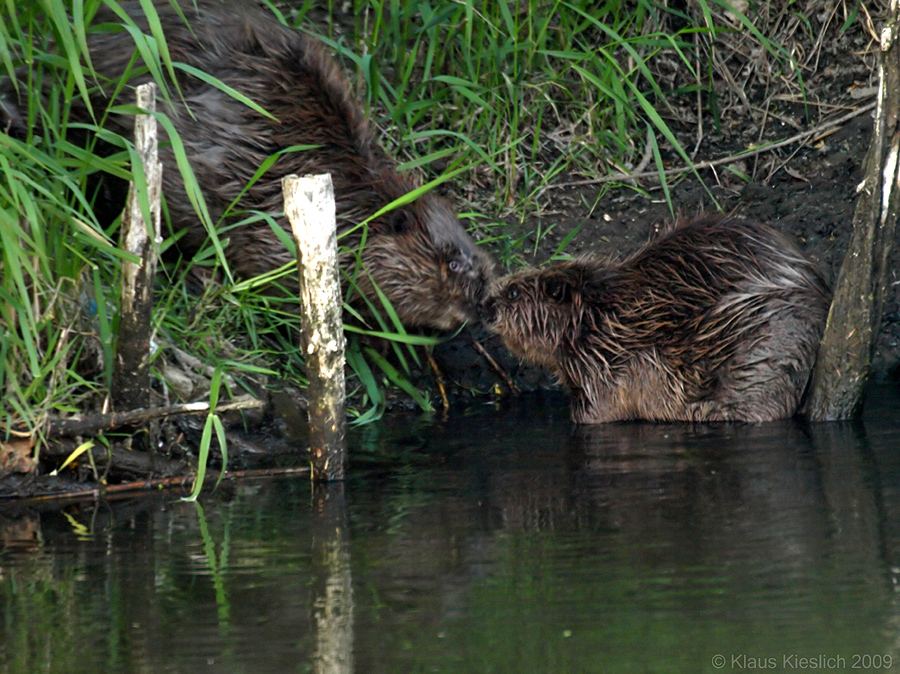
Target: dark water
x=500 y=541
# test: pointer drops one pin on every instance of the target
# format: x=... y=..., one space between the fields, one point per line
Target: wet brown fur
x=419 y=254
x=716 y=320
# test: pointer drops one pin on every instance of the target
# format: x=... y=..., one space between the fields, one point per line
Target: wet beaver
x=716 y=320
x=419 y=254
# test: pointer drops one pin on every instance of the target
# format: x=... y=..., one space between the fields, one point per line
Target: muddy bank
x=809 y=195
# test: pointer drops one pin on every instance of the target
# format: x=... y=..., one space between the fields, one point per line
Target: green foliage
x=213 y=422
x=56 y=262
x=530 y=90
x=514 y=95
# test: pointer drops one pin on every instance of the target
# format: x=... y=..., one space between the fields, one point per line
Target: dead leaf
x=17 y=456
x=793 y=174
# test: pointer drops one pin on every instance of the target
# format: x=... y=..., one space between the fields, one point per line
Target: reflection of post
x=309 y=205
x=333 y=611
x=855 y=509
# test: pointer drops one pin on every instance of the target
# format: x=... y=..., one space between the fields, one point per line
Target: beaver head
x=426 y=265
x=542 y=314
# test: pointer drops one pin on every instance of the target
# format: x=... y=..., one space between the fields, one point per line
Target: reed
x=515 y=95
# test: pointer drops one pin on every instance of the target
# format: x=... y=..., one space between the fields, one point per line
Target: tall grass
x=511 y=95
x=526 y=94
x=56 y=264
x=520 y=92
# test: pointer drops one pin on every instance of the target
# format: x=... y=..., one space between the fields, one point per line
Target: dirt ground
x=810 y=196
x=805 y=188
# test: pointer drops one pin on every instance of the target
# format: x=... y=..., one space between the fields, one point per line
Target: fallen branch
x=495 y=366
x=800 y=137
x=119 y=460
x=439 y=379
x=68 y=428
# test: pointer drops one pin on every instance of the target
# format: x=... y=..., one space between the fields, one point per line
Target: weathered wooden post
x=309 y=205
x=842 y=366
x=131 y=373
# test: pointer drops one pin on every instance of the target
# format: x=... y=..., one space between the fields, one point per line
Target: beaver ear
x=401 y=221
x=561 y=289
x=595 y=288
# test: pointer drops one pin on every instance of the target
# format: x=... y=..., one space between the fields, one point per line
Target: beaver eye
x=512 y=293
x=455 y=266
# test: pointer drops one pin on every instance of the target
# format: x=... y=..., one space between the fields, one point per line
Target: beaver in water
x=716 y=320
x=418 y=254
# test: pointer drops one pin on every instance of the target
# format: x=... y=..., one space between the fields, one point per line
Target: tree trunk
x=845 y=355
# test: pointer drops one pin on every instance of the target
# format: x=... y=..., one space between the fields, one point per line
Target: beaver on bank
x=419 y=254
x=716 y=320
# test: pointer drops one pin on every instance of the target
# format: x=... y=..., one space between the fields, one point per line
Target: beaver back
x=419 y=254
x=717 y=319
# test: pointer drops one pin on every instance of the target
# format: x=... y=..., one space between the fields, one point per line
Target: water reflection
x=334 y=586
x=501 y=541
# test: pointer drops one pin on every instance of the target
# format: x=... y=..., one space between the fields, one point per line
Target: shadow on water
x=505 y=540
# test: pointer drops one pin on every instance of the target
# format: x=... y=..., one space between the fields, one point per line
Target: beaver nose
x=486 y=309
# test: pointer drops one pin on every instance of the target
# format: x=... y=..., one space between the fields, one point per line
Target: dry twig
x=185 y=482
x=68 y=428
x=798 y=138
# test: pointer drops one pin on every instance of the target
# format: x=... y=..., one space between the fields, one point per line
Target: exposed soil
x=810 y=195
x=805 y=188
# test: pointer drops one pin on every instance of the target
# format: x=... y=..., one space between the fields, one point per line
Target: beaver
x=418 y=254
x=718 y=319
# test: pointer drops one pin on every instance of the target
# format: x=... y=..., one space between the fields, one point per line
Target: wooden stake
x=845 y=355
x=309 y=205
x=131 y=373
